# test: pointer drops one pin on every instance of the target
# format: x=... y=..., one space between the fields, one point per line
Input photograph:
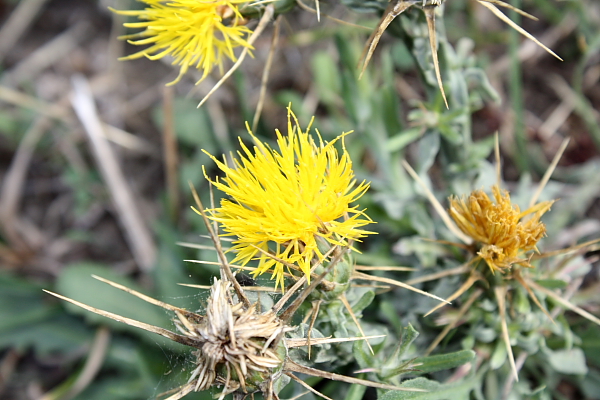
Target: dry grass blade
x=395 y=8
x=92 y=366
x=563 y=302
x=268 y=14
x=474 y=277
x=462 y=311
x=436 y=204
x=137 y=233
x=141 y=325
x=20 y=19
x=516 y=27
x=500 y=293
x=293 y=367
x=14 y=179
x=360 y=275
x=430 y=16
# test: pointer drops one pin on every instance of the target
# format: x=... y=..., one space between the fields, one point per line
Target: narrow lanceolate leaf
x=443 y=361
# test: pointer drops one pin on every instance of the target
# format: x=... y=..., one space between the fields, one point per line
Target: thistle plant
x=289 y=212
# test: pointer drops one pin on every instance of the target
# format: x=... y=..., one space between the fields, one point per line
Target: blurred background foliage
x=59 y=224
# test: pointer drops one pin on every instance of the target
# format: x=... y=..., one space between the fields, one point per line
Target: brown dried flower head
x=241 y=348
x=502 y=230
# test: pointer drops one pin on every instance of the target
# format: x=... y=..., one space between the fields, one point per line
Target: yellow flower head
x=197 y=33
x=290 y=201
x=499 y=226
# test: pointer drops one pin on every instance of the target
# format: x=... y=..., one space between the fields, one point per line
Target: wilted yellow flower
x=499 y=226
x=290 y=201
x=196 y=33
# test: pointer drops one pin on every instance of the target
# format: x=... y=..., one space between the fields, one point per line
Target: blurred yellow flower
x=499 y=226
x=195 y=33
x=290 y=203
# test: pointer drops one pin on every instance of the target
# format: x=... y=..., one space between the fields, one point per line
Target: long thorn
x=500 y=293
x=516 y=27
x=498 y=161
x=548 y=173
x=299 y=284
x=565 y=303
x=268 y=14
x=294 y=367
x=395 y=8
x=513 y=8
x=307 y=386
x=517 y=275
x=436 y=204
x=430 y=17
x=344 y=300
x=449 y=272
x=225 y=268
x=265 y=75
x=474 y=277
x=141 y=325
x=462 y=311
x=148 y=298
x=315 y=312
x=360 y=275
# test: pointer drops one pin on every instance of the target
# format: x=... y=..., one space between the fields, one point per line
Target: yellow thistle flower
x=499 y=226
x=289 y=202
x=195 y=33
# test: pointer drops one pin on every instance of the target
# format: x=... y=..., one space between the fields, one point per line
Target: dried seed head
x=240 y=347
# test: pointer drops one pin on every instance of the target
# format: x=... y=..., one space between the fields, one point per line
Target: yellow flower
x=499 y=226
x=195 y=33
x=290 y=202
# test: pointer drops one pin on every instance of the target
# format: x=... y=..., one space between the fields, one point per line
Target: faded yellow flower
x=291 y=203
x=196 y=33
x=499 y=226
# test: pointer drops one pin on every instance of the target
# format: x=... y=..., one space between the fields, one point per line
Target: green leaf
x=443 y=361
x=570 y=361
x=499 y=355
x=552 y=283
x=435 y=391
x=76 y=282
x=403 y=139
